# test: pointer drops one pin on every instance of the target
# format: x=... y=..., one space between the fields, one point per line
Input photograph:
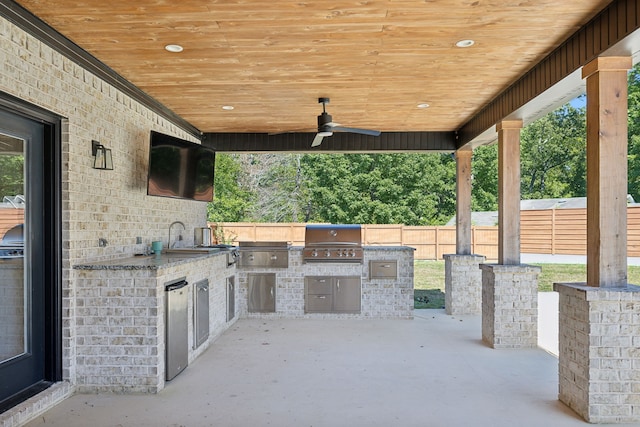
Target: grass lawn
x=429 y=279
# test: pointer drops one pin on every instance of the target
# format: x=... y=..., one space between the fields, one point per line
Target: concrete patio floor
x=430 y=371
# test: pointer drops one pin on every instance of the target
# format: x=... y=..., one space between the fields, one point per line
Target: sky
x=578 y=102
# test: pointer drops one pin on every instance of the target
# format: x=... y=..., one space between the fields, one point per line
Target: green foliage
x=413 y=189
x=11 y=175
x=552 y=161
x=553 y=153
x=484 y=185
x=231 y=200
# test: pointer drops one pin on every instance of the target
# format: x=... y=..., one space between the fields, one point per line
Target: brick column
x=599 y=328
x=510 y=305
x=599 y=355
x=463 y=284
x=509 y=289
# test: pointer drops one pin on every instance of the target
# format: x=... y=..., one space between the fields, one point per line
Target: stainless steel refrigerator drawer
x=383 y=269
x=177 y=347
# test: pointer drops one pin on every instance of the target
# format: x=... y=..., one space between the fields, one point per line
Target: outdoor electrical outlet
x=138 y=240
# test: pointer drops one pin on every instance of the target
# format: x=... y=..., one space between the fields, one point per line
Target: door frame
x=52 y=238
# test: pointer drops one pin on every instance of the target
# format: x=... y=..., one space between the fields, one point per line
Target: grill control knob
x=314 y=253
x=327 y=254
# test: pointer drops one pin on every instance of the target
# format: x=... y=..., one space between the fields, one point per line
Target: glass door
x=26 y=253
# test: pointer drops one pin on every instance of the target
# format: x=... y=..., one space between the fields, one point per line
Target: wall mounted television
x=180 y=169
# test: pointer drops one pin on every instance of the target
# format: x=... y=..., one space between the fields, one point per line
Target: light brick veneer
x=121 y=324
x=463 y=284
x=95 y=204
x=599 y=356
x=510 y=305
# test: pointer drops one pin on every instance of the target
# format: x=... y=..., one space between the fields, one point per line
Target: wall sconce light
x=101 y=156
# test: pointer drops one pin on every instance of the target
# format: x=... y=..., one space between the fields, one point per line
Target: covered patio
x=260 y=72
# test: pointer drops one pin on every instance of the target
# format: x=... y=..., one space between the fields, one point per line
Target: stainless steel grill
x=12 y=243
x=333 y=243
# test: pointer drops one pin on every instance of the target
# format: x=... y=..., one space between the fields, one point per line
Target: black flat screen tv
x=180 y=169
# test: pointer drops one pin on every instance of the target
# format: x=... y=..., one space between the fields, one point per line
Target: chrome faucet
x=180 y=236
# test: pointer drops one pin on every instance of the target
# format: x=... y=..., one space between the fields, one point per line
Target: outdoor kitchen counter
x=388 y=297
x=120 y=307
x=147 y=262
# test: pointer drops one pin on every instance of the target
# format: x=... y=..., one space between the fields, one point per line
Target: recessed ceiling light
x=227 y=107
x=423 y=105
x=175 y=48
x=465 y=43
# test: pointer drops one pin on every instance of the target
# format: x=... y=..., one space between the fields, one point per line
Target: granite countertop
x=371 y=248
x=146 y=262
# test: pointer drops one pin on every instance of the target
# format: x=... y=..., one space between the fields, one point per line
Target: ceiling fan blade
x=317 y=140
x=356 y=130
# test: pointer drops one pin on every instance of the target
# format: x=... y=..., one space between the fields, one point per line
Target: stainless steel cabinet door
x=262 y=292
x=347 y=294
x=231 y=298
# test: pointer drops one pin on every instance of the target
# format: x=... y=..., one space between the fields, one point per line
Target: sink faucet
x=180 y=236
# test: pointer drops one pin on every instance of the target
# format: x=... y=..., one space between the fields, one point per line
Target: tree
x=412 y=189
x=553 y=153
x=484 y=184
x=232 y=200
x=11 y=175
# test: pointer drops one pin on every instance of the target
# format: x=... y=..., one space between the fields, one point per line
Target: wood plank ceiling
x=272 y=60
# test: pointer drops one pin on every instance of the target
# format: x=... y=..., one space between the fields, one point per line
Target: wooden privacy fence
x=10 y=218
x=549 y=231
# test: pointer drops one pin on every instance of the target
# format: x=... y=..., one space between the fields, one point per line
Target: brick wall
x=510 y=305
x=96 y=204
x=121 y=323
x=463 y=284
x=598 y=352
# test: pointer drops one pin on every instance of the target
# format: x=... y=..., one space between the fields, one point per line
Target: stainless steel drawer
x=264 y=258
x=318 y=285
x=383 y=269
x=318 y=303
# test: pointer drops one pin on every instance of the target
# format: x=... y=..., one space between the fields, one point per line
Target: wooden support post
x=463 y=202
x=607 y=171
x=509 y=191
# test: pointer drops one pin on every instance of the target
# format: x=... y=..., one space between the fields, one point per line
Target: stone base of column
x=510 y=305
x=599 y=355
x=463 y=284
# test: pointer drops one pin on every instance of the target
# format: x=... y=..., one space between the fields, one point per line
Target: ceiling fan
x=326 y=126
